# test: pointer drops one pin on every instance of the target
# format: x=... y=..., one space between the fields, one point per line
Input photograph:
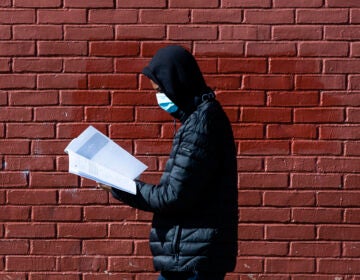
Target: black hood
x=177 y=73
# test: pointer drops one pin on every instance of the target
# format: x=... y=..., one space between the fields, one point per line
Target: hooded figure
x=194 y=227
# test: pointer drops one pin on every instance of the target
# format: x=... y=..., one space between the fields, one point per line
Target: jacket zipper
x=176 y=242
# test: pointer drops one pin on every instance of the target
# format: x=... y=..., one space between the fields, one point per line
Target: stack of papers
x=94 y=156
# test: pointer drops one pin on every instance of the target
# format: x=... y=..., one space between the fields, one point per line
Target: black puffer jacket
x=195 y=203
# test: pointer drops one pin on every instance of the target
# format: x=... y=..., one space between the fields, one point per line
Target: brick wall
x=288 y=75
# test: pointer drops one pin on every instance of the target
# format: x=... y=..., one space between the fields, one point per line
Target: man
x=194 y=228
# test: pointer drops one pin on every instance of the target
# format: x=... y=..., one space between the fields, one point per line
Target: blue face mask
x=165 y=103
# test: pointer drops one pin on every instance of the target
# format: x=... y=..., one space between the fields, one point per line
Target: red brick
x=82 y=197
x=88 y=4
x=217 y=16
x=55 y=276
x=249 y=198
x=323 y=49
x=136 y=131
x=353 y=115
x=315 y=249
x=263 y=180
x=5 y=64
x=270 y=49
x=132 y=264
x=10 y=114
x=284 y=66
x=89 y=32
x=58 y=114
x=28 y=163
x=59 y=247
x=44 y=179
x=354 y=82
x=62 y=81
x=335 y=165
x=323 y=15
x=271 y=16
x=319 y=115
x=226 y=82
x=49 y=147
x=265 y=115
x=354 y=15
x=344 y=266
x=273 y=147
x=30 y=130
x=332 y=82
x=166 y=16
x=13 y=179
x=115 y=213
x=17 y=16
x=267 y=82
x=14 y=147
x=108 y=248
x=333 y=199
x=293 y=98
x=352 y=216
x=243 y=98
x=148 y=49
x=259 y=248
x=140 y=32
x=351 y=181
x=112 y=81
x=14 y=213
x=88 y=65
x=316 y=216
x=298 y=3
x=30 y=263
x=53 y=48
x=247 y=3
x=288 y=199
x=56 y=213
x=290 y=232
x=352 y=148
x=17 y=81
x=30 y=230
x=345 y=66
x=82 y=263
x=114 y=49
x=130 y=65
x=84 y=97
x=265 y=214
x=141 y=4
x=81 y=230
x=242 y=65
x=192 y=32
x=248 y=131
x=14 y=247
x=38 y=197
x=37 y=32
x=287 y=265
x=315 y=181
x=339 y=132
x=113 y=114
x=37 y=3
x=339 y=3
x=193 y=4
x=316 y=148
x=37 y=65
x=112 y=16
x=293 y=131
x=341 y=32
x=62 y=16
x=351 y=249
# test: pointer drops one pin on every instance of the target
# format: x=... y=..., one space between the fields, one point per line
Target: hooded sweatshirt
x=194 y=226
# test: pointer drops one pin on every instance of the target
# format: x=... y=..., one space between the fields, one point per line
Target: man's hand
x=104 y=187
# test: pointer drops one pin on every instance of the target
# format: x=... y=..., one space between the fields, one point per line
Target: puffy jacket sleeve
x=192 y=163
